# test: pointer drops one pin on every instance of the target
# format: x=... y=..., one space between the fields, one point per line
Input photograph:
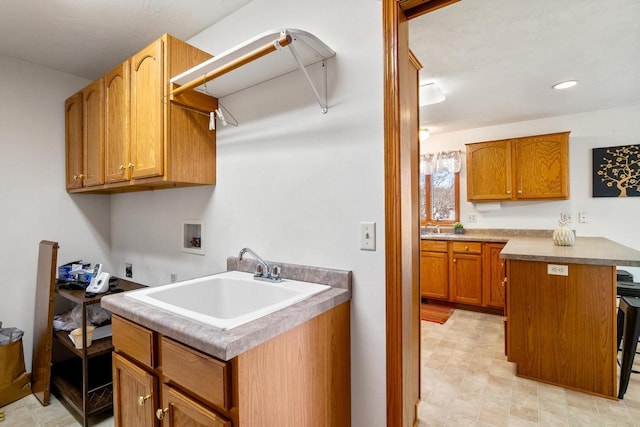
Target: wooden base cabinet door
x=179 y=410
x=434 y=275
x=135 y=394
x=466 y=275
x=493 y=285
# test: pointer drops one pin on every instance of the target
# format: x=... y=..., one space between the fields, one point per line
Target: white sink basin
x=226 y=300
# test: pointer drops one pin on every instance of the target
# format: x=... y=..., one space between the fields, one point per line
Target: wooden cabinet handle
x=160 y=413
x=142 y=399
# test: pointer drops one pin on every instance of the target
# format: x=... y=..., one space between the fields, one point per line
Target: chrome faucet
x=263 y=270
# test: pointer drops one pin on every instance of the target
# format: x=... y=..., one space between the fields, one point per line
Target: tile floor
x=467 y=381
x=28 y=412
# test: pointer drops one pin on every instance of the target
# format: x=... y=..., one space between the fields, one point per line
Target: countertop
x=498 y=235
x=586 y=250
x=227 y=344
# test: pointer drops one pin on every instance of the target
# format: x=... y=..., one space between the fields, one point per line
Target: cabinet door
x=116 y=139
x=135 y=394
x=466 y=278
x=489 y=171
x=542 y=166
x=147 y=111
x=93 y=103
x=73 y=141
x=494 y=276
x=434 y=275
x=179 y=410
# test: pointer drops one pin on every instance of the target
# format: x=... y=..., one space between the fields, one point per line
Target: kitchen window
x=439 y=196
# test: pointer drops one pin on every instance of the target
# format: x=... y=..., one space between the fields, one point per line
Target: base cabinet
x=285 y=381
x=464 y=272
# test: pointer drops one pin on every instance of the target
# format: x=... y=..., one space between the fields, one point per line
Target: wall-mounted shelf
x=264 y=57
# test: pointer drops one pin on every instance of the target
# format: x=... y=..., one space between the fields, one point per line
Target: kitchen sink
x=226 y=300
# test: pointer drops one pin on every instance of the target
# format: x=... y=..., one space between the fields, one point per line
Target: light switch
x=368 y=236
x=558 y=270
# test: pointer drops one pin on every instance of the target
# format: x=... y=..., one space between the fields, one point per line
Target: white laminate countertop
x=587 y=250
x=227 y=344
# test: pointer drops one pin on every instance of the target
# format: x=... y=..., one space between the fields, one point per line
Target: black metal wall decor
x=616 y=171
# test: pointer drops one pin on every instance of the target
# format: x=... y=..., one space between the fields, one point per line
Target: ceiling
x=496 y=60
x=87 y=38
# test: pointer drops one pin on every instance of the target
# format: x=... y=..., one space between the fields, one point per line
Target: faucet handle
x=260 y=270
x=275 y=271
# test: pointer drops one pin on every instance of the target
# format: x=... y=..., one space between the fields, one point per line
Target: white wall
x=35 y=205
x=292 y=184
x=613 y=218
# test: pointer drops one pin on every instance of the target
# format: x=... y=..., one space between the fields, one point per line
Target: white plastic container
x=76 y=336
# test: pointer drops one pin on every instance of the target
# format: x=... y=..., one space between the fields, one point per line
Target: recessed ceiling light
x=565 y=85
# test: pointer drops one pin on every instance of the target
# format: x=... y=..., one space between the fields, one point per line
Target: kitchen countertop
x=586 y=250
x=499 y=235
x=227 y=344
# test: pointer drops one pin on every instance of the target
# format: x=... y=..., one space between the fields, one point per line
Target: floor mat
x=435 y=312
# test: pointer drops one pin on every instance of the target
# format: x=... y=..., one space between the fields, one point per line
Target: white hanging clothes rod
x=257 y=60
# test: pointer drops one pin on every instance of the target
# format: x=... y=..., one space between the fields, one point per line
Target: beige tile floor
x=467 y=381
x=28 y=412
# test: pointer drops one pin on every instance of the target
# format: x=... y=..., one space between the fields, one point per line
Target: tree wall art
x=616 y=171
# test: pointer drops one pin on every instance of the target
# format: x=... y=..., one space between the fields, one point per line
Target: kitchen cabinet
x=149 y=144
x=494 y=276
x=117 y=96
x=93 y=133
x=159 y=381
x=73 y=141
x=434 y=258
x=528 y=168
x=464 y=272
x=561 y=327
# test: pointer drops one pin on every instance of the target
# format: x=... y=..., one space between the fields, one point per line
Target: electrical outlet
x=565 y=217
x=472 y=218
x=128 y=270
x=558 y=270
x=368 y=236
x=582 y=217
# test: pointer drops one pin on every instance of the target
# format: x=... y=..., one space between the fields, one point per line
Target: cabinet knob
x=160 y=413
x=76 y=177
x=466 y=248
x=508 y=191
x=142 y=399
x=122 y=167
x=519 y=191
x=504 y=281
x=454 y=260
x=130 y=165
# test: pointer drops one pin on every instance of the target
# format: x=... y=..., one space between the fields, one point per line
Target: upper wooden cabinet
x=529 y=168
x=117 y=100
x=73 y=141
x=93 y=133
x=146 y=143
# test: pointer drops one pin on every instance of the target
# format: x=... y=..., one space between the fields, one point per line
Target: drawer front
x=206 y=377
x=467 y=247
x=433 y=245
x=134 y=340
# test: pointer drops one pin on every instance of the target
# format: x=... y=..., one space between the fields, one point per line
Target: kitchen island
x=561 y=311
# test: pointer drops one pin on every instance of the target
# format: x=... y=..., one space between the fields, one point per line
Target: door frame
x=402 y=245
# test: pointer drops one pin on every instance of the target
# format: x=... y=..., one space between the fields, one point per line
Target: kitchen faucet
x=263 y=270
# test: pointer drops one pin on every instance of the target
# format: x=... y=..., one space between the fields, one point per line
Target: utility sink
x=226 y=300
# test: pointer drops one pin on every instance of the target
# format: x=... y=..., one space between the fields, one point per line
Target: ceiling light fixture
x=565 y=85
x=424 y=134
x=429 y=94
